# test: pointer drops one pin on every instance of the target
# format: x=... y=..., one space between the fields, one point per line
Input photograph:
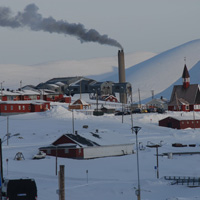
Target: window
x=5 y=107
x=11 y=107
x=66 y=151
x=19 y=107
x=47 y=106
x=48 y=151
x=23 y=107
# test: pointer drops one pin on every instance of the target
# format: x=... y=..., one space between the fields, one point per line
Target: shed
x=79 y=104
x=108 y=110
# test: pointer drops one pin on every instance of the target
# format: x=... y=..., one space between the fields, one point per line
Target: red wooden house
x=79 y=147
x=110 y=98
x=185 y=97
x=20 y=107
x=69 y=146
x=179 y=123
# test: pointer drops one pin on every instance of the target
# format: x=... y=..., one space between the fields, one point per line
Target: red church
x=185 y=97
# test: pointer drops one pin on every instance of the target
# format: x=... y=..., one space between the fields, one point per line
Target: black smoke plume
x=35 y=21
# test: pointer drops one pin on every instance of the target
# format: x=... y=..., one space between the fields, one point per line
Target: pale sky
x=138 y=25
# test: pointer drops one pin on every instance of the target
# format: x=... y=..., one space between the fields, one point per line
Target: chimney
x=122 y=76
x=121 y=66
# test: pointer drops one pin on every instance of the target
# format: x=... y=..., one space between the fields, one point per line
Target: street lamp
x=9 y=135
x=136 y=129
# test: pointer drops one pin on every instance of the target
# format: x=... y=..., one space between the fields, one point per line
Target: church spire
x=186 y=77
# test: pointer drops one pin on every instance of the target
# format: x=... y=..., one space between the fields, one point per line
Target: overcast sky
x=138 y=25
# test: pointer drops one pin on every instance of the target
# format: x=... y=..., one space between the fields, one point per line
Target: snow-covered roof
x=24 y=102
x=101 y=138
x=183 y=117
x=59 y=83
x=28 y=92
x=84 y=103
x=53 y=85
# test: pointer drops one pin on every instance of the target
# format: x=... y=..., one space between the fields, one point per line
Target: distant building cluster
x=82 y=85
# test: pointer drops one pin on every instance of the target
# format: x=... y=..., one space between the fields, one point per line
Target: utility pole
x=157 y=160
x=1 y=169
x=56 y=160
x=139 y=97
x=80 y=88
x=1 y=162
x=7 y=129
x=62 y=183
x=73 y=120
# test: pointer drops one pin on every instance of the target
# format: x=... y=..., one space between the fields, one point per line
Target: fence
x=184 y=180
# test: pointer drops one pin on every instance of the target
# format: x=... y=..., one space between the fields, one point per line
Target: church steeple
x=186 y=77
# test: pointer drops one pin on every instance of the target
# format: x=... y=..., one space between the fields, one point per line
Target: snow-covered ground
x=108 y=178
x=111 y=177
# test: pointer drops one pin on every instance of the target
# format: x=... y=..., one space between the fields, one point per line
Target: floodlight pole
x=136 y=130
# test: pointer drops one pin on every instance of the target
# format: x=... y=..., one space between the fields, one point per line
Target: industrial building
x=82 y=85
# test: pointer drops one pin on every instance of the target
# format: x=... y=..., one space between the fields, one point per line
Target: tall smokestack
x=122 y=76
x=121 y=66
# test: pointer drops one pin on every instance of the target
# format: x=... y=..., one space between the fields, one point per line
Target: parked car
x=39 y=155
x=19 y=189
x=151 y=110
x=144 y=111
x=160 y=110
x=137 y=110
x=120 y=113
